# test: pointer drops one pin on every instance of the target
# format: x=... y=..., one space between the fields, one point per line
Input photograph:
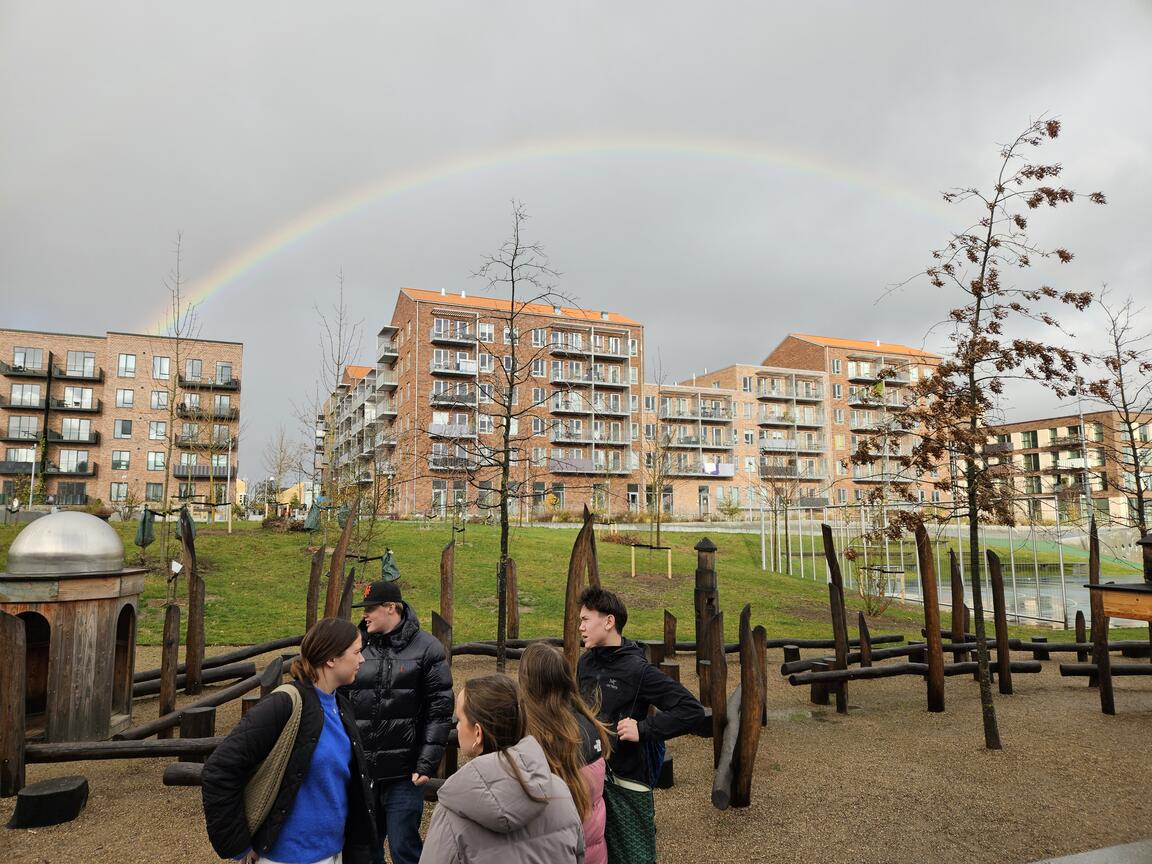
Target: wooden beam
x=748 y=740
x=1000 y=615
x=935 y=676
x=1100 y=656
x=312 y=599
x=13 y=648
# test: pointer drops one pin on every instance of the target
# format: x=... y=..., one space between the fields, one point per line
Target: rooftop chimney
x=463 y=294
x=443 y=293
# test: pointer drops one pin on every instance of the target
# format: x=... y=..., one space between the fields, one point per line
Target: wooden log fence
x=1069 y=670
x=232 y=671
x=245 y=653
x=76 y=751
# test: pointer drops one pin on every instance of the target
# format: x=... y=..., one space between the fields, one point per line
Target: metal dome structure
x=67 y=582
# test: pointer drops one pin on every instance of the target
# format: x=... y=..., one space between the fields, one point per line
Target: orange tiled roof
x=499 y=304
x=355 y=373
x=865 y=345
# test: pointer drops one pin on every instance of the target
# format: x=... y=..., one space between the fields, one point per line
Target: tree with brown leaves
x=949 y=417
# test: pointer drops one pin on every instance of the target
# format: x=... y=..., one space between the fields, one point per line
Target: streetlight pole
x=1084 y=456
x=228 y=481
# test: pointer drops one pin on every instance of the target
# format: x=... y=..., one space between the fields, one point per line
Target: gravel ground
x=889 y=782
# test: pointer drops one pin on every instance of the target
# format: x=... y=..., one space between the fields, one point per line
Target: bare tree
x=1126 y=389
x=282 y=458
x=339 y=345
x=949 y=418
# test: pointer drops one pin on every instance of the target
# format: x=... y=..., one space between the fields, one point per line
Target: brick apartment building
x=1053 y=460
x=90 y=417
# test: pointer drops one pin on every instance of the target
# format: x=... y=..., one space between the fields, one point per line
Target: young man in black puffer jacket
x=403 y=701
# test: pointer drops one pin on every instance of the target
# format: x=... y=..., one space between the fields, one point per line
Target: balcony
x=384 y=439
x=80 y=469
x=588 y=466
x=452 y=398
x=385 y=379
x=869 y=400
x=73 y=406
x=452 y=463
x=201 y=382
x=452 y=367
x=702 y=469
x=997 y=449
x=58 y=438
x=23 y=371
x=1066 y=441
x=777 y=420
x=865 y=476
x=892 y=377
x=614 y=409
x=22 y=405
x=452 y=430
x=569 y=406
x=791 y=472
x=609 y=380
x=458 y=336
x=809 y=394
x=810 y=421
x=8 y=466
x=207 y=412
x=197 y=442
x=204 y=472
x=386 y=352
x=571 y=436
x=386 y=409
x=92 y=374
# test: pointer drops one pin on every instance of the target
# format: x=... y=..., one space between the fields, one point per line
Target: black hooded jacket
x=625 y=684
x=402 y=698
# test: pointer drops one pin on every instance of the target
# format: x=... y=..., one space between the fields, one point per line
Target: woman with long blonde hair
x=576 y=744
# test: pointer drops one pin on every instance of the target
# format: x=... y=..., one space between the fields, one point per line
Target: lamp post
x=1084 y=456
x=228 y=487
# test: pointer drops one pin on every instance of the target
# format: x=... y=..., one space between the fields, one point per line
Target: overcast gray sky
x=725 y=173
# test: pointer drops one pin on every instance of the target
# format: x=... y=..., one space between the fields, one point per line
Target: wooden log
x=448 y=583
x=959 y=625
x=522 y=643
x=760 y=637
x=1081 y=636
x=442 y=631
x=84 y=751
x=169 y=678
x=581 y=567
x=336 y=566
x=706 y=600
x=820 y=677
x=1038 y=653
x=935 y=677
x=717 y=684
x=271 y=677
x=818 y=694
x=725 y=741
x=1100 y=656
x=749 y=710
x=231 y=672
x=344 y=609
x=50 y=802
x=839 y=614
x=968 y=667
x=513 y=628
x=669 y=635
x=911 y=651
x=791 y=654
x=247 y=703
x=182 y=774
x=13 y=681
x=672 y=670
x=1069 y=670
x=704 y=679
x=865 y=642
x=220 y=697
x=197 y=723
x=245 y=653
x=312 y=598
x=1000 y=616
x=194 y=633
x=483 y=649
x=653 y=650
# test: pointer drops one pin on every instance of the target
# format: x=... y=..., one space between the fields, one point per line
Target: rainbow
x=331 y=211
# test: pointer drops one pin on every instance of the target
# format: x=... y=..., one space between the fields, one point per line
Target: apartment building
x=113 y=417
x=866 y=383
x=1054 y=463
x=444 y=366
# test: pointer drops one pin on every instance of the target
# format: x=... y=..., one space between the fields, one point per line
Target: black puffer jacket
x=625 y=684
x=228 y=769
x=403 y=700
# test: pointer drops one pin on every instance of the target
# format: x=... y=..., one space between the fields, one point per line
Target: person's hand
x=419 y=779
x=627 y=729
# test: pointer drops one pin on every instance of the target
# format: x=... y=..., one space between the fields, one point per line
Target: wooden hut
x=67 y=582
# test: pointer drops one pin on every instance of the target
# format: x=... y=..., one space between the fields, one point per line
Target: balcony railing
x=202 y=382
x=75 y=438
x=792 y=472
x=812 y=394
x=777 y=420
x=200 y=442
x=22 y=404
x=870 y=400
x=453 y=397
x=570 y=406
x=588 y=466
x=80 y=469
x=702 y=469
x=385 y=379
x=76 y=406
x=452 y=367
x=204 y=472
x=451 y=463
x=94 y=374
x=459 y=336
x=207 y=412
x=452 y=430
x=873 y=377
x=9 y=466
x=14 y=371
x=999 y=448
x=616 y=409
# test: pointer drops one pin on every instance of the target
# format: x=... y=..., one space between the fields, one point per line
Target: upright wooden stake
x=839 y=615
x=718 y=684
x=935 y=658
x=194 y=637
x=581 y=565
x=169 y=663
x=447 y=582
x=706 y=601
x=312 y=601
x=336 y=568
x=13 y=648
x=751 y=702
x=1000 y=615
x=865 y=641
x=1081 y=636
x=442 y=630
x=669 y=636
x=344 y=607
x=760 y=638
x=1100 y=655
x=513 y=593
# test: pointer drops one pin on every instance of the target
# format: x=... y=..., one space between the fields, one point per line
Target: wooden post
x=704 y=677
x=246 y=702
x=344 y=607
x=791 y=653
x=751 y=701
x=1081 y=636
x=271 y=677
x=818 y=691
x=723 y=775
x=760 y=638
x=194 y=637
x=1100 y=655
x=839 y=615
x=1000 y=616
x=513 y=629
x=672 y=670
x=958 y=607
x=13 y=648
x=865 y=641
x=718 y=684
x=706 y=601
x=447 y=582
x=313 y=598
x=442 y=631
x=935 y=676
x=197 y=723
x=582 y=564
x=1038 y=653
x=669 y=635
x=336 y=568
x=169 y=661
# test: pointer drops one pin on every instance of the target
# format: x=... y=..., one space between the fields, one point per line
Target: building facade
x=122 y=418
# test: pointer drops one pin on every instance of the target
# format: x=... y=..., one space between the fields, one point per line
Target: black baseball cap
x=380 y=592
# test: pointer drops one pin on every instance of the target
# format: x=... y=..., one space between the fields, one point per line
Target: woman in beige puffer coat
x=504 y=805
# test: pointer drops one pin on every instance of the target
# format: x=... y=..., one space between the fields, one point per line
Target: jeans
x=399 y=808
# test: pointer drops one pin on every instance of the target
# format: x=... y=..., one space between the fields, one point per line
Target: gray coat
x=485 y=816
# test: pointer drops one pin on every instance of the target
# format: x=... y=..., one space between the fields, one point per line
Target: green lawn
x=256 y=581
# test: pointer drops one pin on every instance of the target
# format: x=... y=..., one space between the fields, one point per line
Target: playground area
x=888 y=782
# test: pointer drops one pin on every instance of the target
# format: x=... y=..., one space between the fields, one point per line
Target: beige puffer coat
x=484 y=815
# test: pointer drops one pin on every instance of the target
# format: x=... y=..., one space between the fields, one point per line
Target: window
x=28 y=358
x=510 y=335
x=484 y=423
x=120 y=460
x=220 y=460
x=539 y=396
x=26 y=396
x=191 y=401
x=153 y=491
x=649 y=403
x=26 y=454
x=486 y=332
x=538 y=337
x=159 y=399
x=835 y=367
x=187 y=490
x=506 y=361
x=538 y=366
x=220 y=434
x=223 y=372
x=633 y=375
x=74 y=460
x=81 y=363
x=161 y=368
x=156 y=460
x=749 y=437
x=222 y=405
x=119 y=492
x=485 y=362
x=1029 y=440
x=749 y=464
x=23 y=427
x=538 y=425
x=649 y=431
x=126 y=366
x=122 y=429
x=78 y=397
x=157 y=430
x=484 y=392
x=193 y=369
x=75 y=429
x=124 y=397
x=837 y=414
x=837 y=391
x=746 y=383
x=189 y=459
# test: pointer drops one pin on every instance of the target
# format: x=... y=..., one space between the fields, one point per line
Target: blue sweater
x=314 y=829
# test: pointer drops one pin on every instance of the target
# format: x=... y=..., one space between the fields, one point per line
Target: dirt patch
x=889 y=782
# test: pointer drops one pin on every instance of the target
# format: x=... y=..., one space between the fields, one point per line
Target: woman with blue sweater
x=322 y=812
